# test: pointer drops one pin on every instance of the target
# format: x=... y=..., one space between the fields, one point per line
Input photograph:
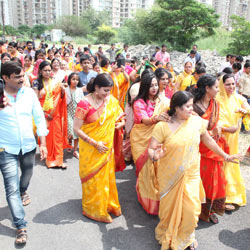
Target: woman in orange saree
x=96 y=118
x=174 y=147
x=53 y=101
x=211 y=165
x=121 y=84
x=148 y=110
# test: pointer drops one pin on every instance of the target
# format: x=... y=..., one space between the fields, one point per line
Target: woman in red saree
x=211 y=165
x=52 y=97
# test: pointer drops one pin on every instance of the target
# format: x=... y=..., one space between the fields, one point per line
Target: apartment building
x=226 y=8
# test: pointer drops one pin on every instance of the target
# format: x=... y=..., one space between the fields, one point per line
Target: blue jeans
x=27 y=161
x=9 y=169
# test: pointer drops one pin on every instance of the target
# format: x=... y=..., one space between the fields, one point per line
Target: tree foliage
x=87 y=23
x=38 y=29
x=105 y=33
x=96 y=18
x=73 y=25
x=24 y=29
x=240 y=36
x=10 y=30
x=179 y=23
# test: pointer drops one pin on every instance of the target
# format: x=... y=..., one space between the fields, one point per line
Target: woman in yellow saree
x=121 y=84
x=231 y=105
x=96 y=118
x=176 y=145
x=148 y=110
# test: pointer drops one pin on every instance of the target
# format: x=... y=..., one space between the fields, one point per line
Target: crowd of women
x=180 y=130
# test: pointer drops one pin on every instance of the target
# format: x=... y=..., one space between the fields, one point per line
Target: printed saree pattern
x=180 y=187
x=97 y=171
x=146 y=185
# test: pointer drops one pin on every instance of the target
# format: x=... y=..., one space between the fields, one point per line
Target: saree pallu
x=146 y=185
x=180 y=186
x=56 y=140
x=211 y=168
x=235 y=187
x=120 y=88
x=96 y=170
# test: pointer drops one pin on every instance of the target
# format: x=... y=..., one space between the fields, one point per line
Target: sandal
x=64 y=167
x=229 y=207
x=75 y=154
x=214 y=219
x=193 y=246
x=25 y=199
x=21 y=236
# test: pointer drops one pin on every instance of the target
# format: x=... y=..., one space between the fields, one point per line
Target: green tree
x=95 y=18
x=38 y=29
x=240 y=36
x=105 y=33
x=24 y=29
x=179 y=23
x=73 y=25
x=10 y=30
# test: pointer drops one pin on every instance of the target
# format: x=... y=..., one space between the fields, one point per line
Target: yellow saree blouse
x=235 y=187
x=180 y=186
x=97 y=171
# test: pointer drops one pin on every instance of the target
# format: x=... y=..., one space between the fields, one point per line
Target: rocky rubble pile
x=212 y=60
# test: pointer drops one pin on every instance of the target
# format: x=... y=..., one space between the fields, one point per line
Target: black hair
x=193 y=52
x=16 y=59
x=39 y=52
x=84 y=58
x=104 y=61
x=29 y=57
x=200 y=64
x=200 y=70
x=227 y=76
x=5 y=54
x=178 y=100
x=158 y=63
x=203 y=82
x=239 y=58
x=228 y=55
x=101 y=80
x=94 y=64
x=9 y=68
x=1 y=43
x=248 y=60
x=29 y=42
x=57 y=52
x=125 y=45
x=159 y=73
x=42 y=65
x=237 y=66
x=247 y=65
x=78 y=53
x=164 y=45
x=55 y=59
x=146 y=81
x=228 y=70
x=12 y=44
x=65 y=52
x=85 y=49
x=71 y=76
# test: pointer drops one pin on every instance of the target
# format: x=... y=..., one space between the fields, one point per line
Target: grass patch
x=219 y=42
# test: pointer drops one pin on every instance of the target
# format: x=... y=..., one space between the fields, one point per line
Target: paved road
x=56 y=223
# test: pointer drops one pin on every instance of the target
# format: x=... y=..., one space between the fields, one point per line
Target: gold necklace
x=105 y=111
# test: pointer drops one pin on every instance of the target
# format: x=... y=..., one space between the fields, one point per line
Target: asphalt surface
x=56 y=222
